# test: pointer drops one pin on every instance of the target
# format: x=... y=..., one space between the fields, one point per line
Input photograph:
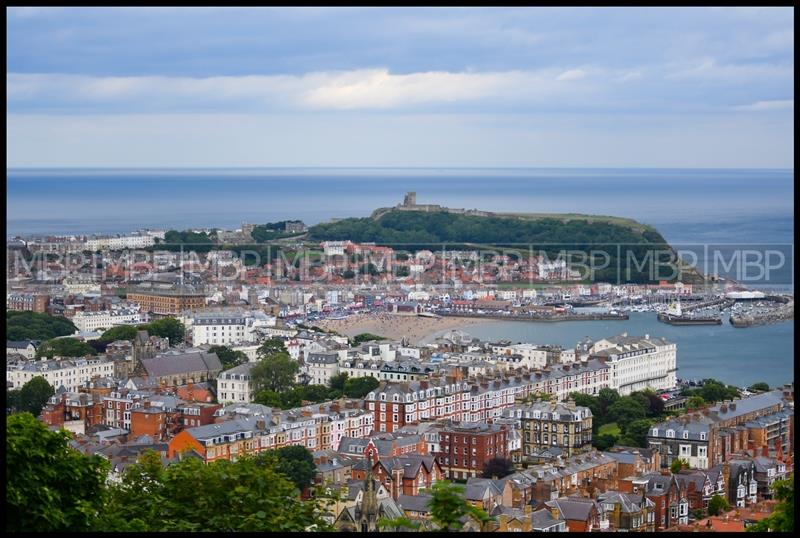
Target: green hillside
x=605 y=238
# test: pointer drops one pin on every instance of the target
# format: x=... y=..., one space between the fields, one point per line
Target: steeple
x=368 y=514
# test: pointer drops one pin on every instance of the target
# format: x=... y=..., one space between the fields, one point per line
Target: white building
x=227 y=326
x=334 y=248
x=321 y=367
x=26 y=348
x=70 y=374
x=233 y=386
x=105 y=319
x=638 y=363
x=120 y=242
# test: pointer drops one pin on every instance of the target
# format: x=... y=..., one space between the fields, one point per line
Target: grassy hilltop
x=620 y=239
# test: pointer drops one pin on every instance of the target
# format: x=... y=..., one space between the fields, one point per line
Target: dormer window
x=685 y=434
x=655 y=432
x=702 y=436
x=671 y=433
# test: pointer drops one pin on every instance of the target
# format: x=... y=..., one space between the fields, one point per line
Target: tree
x=782 y=517
x=271 y=347
x=607 y=397
x=398 y=523
x=337 y=382
x=635 y=433
x=249 y=494
x=50 y=487
x=625 y=410
x=121 y=332
x=498 y=467
x=587 y=400
x=32 y=396
x=365 y=337
x=166 y=328
x=297 y=464
x=270 y=398
x=228 y=357
x=448 y=506
x=358 y=387
x=64 y=347
x=678 y=465
x=758 y=387
x=275 y=372
x=25 y=325
x=604 y=441
x=717 y=504
x=695 y=402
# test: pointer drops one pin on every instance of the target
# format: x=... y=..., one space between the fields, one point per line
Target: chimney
x=261 y=424
x=733 y=406
x=528 y=508
x=554 y=512
x=146 y=403
x=723 y=408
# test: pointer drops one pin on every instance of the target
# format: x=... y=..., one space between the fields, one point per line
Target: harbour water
x=736 y=356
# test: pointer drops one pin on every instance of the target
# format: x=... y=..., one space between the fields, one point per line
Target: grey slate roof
x=182 y=364
x=415 y=503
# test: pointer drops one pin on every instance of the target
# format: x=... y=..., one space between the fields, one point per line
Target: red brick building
x=404 y=475
x=71 y=407
x=32 y=302
x=465 y=448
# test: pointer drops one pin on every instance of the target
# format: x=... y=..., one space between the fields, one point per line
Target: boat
x=675 y=316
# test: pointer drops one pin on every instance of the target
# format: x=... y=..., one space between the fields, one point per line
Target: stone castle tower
x=410 y=199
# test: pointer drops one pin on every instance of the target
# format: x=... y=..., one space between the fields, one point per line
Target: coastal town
x=361 y=269
x=372 y=370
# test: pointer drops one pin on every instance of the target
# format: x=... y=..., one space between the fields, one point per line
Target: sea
x=733 y=222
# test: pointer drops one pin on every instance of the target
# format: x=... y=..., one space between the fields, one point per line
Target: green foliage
x=635 y=433
x=64 y=347
x=31 y=397
x=678 y=465
x=403 y=271
x=271 y=347
x=625 y=410
x=249 y=494
x=695 y=402
x=337 y=382
x=717 y=504
x=36 y=326
x=228 y=357
x=365 y=337
x=713 y=391
x=348 y=274
x=296 y=463
x=358 y=387
x=758 y=387
x=498 y=467
x=448 y=506
x=49 y=486
x=186 y=240
x=604 y=441
x=587 y=400
x=274 y=372
x=782 y=518
x=121 y=332
x=166 y=328
x=413 y=230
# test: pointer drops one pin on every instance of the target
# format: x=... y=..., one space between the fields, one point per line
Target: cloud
x=343 y=90
x=778 y=104
x=572 y=74
x=709 y=70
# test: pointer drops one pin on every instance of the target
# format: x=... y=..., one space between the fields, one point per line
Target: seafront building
x=638 y=363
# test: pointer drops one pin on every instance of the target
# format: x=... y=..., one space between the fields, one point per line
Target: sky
x=400 y=87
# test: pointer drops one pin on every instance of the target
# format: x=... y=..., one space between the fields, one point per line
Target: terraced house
x=547 y=425
x=760 y=424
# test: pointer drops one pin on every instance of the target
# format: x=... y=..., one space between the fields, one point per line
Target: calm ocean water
x=689 y=207
x=737 y=356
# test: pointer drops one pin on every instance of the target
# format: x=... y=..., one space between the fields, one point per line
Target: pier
x=522 y=317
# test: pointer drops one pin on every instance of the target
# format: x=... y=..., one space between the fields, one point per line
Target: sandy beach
x=395 y=327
